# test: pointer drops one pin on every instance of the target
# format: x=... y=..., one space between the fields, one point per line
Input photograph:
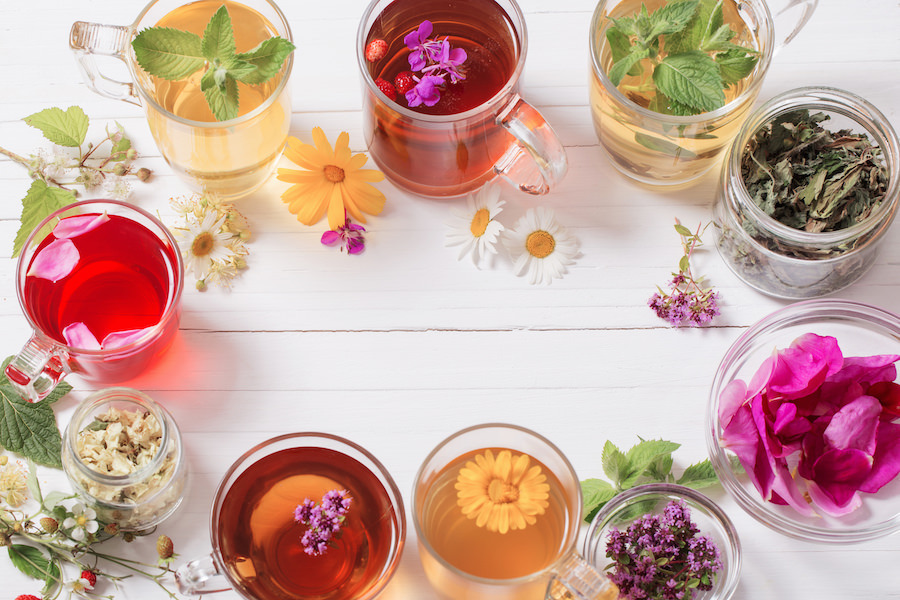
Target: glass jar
x=780 y=260
x=123 y=454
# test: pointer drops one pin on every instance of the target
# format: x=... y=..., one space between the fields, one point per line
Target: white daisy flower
x=204 y=243
x=474 y=228
x=540 y=246
x=81 y=522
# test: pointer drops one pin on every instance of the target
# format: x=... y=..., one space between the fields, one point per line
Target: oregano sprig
x=172 y=54
x=690 y=48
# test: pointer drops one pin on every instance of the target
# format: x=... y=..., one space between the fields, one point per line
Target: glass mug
x=100 y=284
x=259 y=546
x=447 y=155
x=497 y=511
x=667 y=150
x=227 y=158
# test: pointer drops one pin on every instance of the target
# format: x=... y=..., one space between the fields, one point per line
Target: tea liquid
x=125 y=279
x=478 y=551
x=260 y=541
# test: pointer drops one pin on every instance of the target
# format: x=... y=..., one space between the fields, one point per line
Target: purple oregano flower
x=435 y=60
x=324 y=520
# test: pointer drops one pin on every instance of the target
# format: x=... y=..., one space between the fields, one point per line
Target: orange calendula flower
x=332 y=179
x=502 y=492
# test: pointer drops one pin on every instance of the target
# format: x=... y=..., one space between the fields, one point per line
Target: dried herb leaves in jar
x=811 y=179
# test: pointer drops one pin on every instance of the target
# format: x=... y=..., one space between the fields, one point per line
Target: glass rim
x=755 y=84
x=133 y=67
x=566 y=549
x=829 y=100
x=516 y=17
x=747 y=497
x=173 y=303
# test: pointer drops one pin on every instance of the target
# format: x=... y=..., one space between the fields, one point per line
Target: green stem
x=19 y=159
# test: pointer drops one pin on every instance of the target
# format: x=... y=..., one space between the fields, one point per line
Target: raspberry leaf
x=64 y=128
x=38 y=203
x=34 y=563
x=168 y=53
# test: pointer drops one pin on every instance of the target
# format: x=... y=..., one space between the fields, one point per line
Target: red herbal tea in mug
x=260 y=540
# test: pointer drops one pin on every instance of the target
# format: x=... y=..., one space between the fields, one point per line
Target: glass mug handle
x=577 y=579
x=36 y=370
x=537 y=161
x=88 y=39
x=200 y=576
x=782 y=11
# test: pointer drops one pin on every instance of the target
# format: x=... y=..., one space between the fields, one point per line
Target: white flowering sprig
x=212 y=239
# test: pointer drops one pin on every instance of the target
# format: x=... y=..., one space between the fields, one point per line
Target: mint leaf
x=596 y=493
x=267 y=57
x=223 y=101
x=40 y=201
x=720 y=39
x=673 y=17
x=64 y=128
x=692 y=79
x=239 y=69
x=627 y=65
x=615 y=465
x=218 y=38
x=33 y=563
x=735 y=64
x=168 y=53
x=699 y=476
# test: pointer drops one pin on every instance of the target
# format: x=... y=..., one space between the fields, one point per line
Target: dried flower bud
x=144 y=174
x=200 y=285
x=164 y=547
x=128 y=536
x=240 y=263
x=4 y=539
x=131 y=154
x=120 y=170
x=3 y=460
x=49 y=524
x=111 y=529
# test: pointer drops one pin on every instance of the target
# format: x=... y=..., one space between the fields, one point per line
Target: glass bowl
x=860 y=330
x=632 y=504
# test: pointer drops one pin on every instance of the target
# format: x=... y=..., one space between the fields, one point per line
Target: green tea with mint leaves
x=212 y=60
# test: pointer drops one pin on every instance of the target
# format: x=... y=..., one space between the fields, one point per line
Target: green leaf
x=118 y=150
x=168 y=53
x=223 y=101
x=267 y=57
x=33 y=563
x=596 y=493
x=218 y=38
x=682 y=230
x=54 y=498
x=673 y=17
x=735 y=64
x=684 y=264
x=29 y=428
x=643 y=454
x=34 y=487
x=239 y=69
x=65 y=128
x=627 y=65
x=718 y=40
x=691 y=78
x=659 y=470
x=699 y=476
x=40 y=201
x=665 y=146
x=615 y=464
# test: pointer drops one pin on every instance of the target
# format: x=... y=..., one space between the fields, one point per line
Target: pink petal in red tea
x=56 y=260
x=74 y=226
x=77 y=335
x=118 y=339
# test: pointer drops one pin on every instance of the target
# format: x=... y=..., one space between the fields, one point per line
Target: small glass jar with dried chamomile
x=123 y=454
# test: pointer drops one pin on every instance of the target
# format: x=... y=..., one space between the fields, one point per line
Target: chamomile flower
x=475 y=228
x=204 y=243
x=539 y=246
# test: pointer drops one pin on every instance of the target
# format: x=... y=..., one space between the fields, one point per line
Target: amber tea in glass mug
x=665 y=150
x=481 y=127
x=229 y=158
x=497 y=510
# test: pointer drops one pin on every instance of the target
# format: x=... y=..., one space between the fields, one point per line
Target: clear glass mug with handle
x=451 y=153
x=229 y=158
x=662 y=150
x=497 y=511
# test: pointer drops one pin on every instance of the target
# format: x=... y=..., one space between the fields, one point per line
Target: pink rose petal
x=828 y=506
x=853 y=426
x=77 y=335
x=118 y=339
x=54 y=261
x=837 y=475
x=74 y=226
x=886 y=461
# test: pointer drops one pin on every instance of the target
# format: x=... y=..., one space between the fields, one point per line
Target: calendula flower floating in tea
x=687 y=301
x=540 y=247
x=503 y=492
x=475 y=228
x=814 y=429
x=349 y=237
x=323 y=520
x=332 y=180
x=662 y=556
x=212 y=239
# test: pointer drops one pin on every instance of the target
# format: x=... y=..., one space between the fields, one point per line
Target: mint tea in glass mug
x=230 y=158
x=649 y=136
x=442 y=114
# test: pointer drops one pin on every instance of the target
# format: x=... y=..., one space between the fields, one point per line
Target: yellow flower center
x=334 y=174
x=480 y=222
x=500 y=492
x=540 y=244
x=80 y=520
x=203 y=244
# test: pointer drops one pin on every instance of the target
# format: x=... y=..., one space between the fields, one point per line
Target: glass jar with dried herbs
x=808 y=189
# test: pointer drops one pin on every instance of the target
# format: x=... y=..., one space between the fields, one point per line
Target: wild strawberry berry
x=387 y=87
x=376 y=50
x=90 y=577
x=27 y=597
x=49 y=524
x=164 y=547
x=404 y=82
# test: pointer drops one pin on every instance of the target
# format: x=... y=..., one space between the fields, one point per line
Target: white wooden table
x=403 y=345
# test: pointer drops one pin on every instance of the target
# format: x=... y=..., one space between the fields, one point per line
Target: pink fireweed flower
x=813 y=429
x=349 y=236
x=426 y=91
x=324 y=520
x=436 y=61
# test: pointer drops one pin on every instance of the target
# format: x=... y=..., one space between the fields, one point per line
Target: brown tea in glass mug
x=480 y=128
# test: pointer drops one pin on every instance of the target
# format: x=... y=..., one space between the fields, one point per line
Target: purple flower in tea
x=425 y=92
x=813 y=429
x=448 y=60
x=324 y=520
x=436 y=60
x=420 y=46
x=349 y=236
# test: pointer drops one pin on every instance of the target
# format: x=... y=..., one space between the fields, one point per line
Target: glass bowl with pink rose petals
x=803 y=421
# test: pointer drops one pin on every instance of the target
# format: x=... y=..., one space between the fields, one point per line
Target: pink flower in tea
x=77 y=335
x=426 y=91
x=812 y=422
x=80 y=224
x=323 y=520
x=420 y=46
x=54 y=261
x=436 y=60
